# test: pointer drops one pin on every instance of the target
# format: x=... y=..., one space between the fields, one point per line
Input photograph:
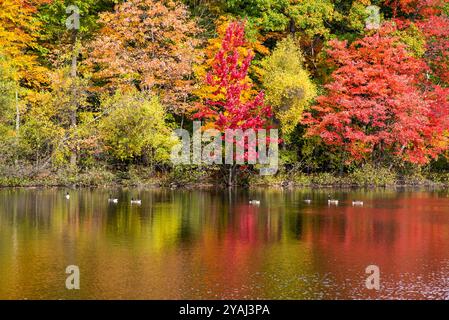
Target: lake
x=212 y=244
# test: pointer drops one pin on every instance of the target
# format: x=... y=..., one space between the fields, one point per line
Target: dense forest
x=357 y=89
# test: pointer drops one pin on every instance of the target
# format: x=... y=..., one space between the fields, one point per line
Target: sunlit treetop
x=18 y=39
x=214 y=45
x=233 y=104
x=149 y=45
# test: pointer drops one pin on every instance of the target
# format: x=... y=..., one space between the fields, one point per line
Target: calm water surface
x=214 y=245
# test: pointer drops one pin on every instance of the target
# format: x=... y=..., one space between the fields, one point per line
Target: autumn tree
x=46 y=134
x=430 y=17
x=436 y=31
x=149 y=45
x=286 y=15
x=313 y=21
x=56 y=38
x=21 y=72
x=233 y=106
x=415 y=8
x=287 y=84
x=7 y=111
x=134 y=127
x=379 y=103
x=7 y=92
x=18 y=45
x=254 y=46
x=64 y=45
x=41 y=134
x=18 y=39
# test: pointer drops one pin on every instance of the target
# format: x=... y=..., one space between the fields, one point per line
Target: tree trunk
x=292 y=26
x=74 y=106
x=16 y=160
x=17 y=113
x=232 y=175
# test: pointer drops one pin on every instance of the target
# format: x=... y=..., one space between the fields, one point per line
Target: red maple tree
x=429 y=16
x=436 y=31
x=233 y=103
x=230 y=108
x=416 y=8
x=380 y=102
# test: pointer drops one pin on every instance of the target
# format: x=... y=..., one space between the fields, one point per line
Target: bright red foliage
x=424 y=8
x=233 y=104
x=229 y=109
x=436 y=30
x=428 y=15
x=380 y=102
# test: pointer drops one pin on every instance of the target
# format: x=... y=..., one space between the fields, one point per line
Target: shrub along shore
x=197 y=178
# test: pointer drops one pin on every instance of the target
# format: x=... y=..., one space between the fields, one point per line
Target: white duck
x=255 y=202
x=357 y=203
x=112 y=200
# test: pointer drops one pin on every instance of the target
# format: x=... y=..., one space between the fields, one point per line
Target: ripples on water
x=214 y=245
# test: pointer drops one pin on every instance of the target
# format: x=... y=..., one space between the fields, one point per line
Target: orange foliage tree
x=150 y=45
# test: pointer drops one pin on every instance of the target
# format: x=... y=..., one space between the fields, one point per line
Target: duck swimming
x=113 y=200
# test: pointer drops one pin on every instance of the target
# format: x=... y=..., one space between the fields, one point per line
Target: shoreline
x=141 y=177
x=215 y=186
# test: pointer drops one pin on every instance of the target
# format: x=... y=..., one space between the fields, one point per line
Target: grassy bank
x=188 y=177
x=351 y=180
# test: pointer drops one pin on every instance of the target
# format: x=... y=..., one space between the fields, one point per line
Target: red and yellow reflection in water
x=199 y=244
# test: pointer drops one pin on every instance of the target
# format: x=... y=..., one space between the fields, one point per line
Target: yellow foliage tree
x=135 y=127
x=287 y=83
x=18 y=37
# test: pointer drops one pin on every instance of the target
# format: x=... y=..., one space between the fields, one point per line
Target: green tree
x=314 y=22
x=311 y=18
x=55 y=39
x=135 y=128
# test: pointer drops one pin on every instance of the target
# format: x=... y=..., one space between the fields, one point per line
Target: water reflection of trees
x=186 y=238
